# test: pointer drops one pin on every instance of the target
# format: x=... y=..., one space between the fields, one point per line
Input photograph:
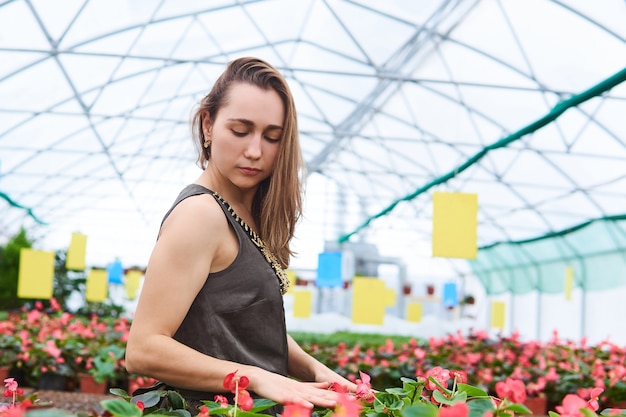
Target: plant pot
x=4 y=373
x=52 y=381
x=18 y=375
x=89 y=385
x=538 y=406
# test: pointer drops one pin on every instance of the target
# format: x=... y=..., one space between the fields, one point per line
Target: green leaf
x=121 y=408
x=442 y=399
x=459 y=397
x=441 y=387
x=216 y=408
x=396 y=391
x=387 y=402
x=587 y=412
x=176 y=400
x=149 y=399
x=518 y=409
x=176 y=413
x=478 y=407
x=374 y=414
x=471 y=390
x=553 y=414
x=241 y=413
x=120 y=393
x=262 y=404
x=420 y=410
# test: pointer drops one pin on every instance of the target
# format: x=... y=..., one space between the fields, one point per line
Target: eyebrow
x=250 y=123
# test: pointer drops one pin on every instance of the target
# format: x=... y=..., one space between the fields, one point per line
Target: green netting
x=593 y=251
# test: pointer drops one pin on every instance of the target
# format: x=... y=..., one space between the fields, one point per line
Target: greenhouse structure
x=468 y=157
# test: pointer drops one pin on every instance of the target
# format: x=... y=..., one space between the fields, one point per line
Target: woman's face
x=246 y=135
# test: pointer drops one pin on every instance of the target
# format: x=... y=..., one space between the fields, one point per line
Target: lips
x=249 y=171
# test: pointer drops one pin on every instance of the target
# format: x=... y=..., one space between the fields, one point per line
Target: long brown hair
x=277 y=204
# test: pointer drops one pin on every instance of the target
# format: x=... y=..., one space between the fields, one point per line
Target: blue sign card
x=115 y=272
x=329 y=266
x=450 y=297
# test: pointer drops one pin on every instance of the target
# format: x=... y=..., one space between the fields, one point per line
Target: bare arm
x=194 y=240
x=187 y=248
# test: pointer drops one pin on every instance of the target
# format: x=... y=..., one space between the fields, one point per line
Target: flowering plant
x=440 y=393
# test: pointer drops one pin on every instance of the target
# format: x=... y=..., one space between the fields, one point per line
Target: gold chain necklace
x=283 y=279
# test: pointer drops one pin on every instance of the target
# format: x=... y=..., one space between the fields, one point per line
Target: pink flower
x=552 y=375
x=347 y=406
x=571 y=406
x=52 y=349
x=221 y=400
x=457 y=410
x=364 y=389
x=10 y=384
x=513 y=389
x=296 y=410
x=438 y=374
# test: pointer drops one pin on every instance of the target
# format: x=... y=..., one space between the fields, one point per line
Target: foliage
x=348 y=338
x=52 y=340
x=65 y=282
x=9 y=270
x=105 y=363
x=441 y=393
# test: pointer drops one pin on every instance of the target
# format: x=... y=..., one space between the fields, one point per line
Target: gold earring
x=207 y=143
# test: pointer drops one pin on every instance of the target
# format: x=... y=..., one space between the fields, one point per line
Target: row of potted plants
x=439 y=393
x=53 y=342
x=549 y=370
x=53 y=349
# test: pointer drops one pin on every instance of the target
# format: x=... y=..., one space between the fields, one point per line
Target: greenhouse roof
x=522 y=103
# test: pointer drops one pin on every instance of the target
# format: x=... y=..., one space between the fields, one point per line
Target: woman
x=211 y=303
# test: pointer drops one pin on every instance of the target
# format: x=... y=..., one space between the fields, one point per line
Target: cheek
x=272 y=155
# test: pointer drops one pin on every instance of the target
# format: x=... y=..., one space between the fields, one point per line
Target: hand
x=329 y=376
x=285 y=390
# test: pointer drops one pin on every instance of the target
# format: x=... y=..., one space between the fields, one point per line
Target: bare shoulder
x=197 y=215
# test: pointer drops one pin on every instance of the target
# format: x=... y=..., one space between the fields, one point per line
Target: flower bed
x=38 y=342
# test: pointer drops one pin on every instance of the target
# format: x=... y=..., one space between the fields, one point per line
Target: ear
x=207 y=123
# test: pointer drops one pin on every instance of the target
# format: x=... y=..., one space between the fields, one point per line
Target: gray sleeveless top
x=238 y=315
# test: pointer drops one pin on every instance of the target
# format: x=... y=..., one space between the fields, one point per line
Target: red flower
x=234 y=383
x=140 y=405
x=243 y=400
x=337 y=387
x=296 y=410
x=457 y=410
x=204 y=411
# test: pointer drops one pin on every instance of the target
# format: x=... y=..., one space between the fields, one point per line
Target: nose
x=253 y=150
